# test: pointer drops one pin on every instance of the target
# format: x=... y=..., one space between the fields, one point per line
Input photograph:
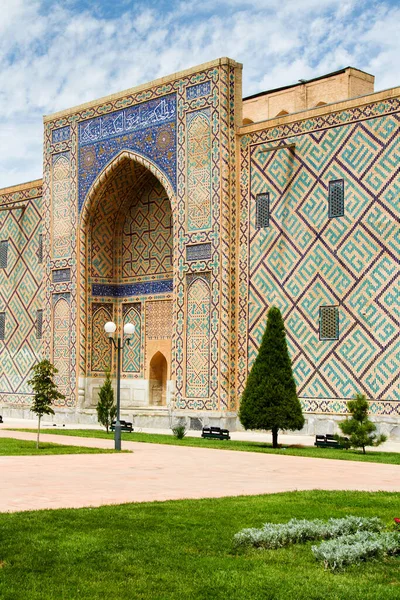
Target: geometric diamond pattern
x=20 y=295
x=306 y=260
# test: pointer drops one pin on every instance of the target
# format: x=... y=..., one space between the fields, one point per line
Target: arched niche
x=247 y=121
x=158 y=379
x=126 y=241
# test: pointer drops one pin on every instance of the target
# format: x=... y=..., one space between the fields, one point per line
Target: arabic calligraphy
x=135 y=118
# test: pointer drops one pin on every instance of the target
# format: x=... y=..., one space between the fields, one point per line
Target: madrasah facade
x=188 y=210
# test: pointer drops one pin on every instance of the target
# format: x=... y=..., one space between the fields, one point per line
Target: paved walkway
x=159 y=472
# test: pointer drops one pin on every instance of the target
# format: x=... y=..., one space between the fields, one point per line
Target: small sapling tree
x=270 y=400
x=45 y=391
x=106 y=409
x=359 y=428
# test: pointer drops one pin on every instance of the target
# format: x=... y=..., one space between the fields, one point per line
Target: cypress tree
x=106 y=409
x=270 y=400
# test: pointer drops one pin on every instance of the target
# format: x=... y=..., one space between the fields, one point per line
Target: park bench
x=1 y=419
x=125 y=426
x=327 y=441
x=215 y=433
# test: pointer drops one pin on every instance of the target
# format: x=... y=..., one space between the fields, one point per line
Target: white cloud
x=53 y=57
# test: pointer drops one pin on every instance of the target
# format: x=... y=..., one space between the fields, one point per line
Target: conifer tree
x=45 y=391
x=270 y=400
x=106 y=409
x=359 y=428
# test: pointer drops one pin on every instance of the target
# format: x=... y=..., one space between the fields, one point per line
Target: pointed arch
x=141 y=168
x=158 y=379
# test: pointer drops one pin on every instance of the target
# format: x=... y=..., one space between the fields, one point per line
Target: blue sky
x=58 y=54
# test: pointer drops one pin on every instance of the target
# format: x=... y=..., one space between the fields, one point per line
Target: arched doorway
x=158 y=379
x=127 y=239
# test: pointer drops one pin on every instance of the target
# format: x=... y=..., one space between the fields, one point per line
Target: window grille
x=2 y=325
x=40 y=249
x=336 y=198
x=3 y=254
x=262 y=210
x=39 y=324
x=328 y=323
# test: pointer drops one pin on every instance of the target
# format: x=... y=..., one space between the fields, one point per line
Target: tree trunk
x=275 y=437
x=38 y=433
x=363 y=449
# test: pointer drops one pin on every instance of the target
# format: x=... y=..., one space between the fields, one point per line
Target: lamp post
x=129 y=329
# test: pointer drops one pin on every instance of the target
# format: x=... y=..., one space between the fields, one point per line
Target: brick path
x=160 y=472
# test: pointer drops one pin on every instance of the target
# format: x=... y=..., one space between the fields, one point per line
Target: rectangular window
x=336 y=199
x=262 y=210
x=2 y=325
x=328 y=322
x=40 y=249
x=39 y=324
x=3 y=254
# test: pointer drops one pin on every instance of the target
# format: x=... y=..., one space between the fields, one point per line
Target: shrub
x=359 y=428
x=352 y=549
x=270 y=400
x=297 y=531
x=179 y=431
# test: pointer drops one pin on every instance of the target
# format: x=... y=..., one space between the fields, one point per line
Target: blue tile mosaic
x=148 y=129
x=61 y=275
x=198 y=252
x=61 y=135
x=196 y=91
x=142 y=288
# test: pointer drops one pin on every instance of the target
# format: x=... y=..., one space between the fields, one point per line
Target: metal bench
x=125 y=426
x=215 y=433
x=327 y=441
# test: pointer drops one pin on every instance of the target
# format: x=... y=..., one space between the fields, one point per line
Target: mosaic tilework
x=159 y=320
x=132 y=289
x=21 y=293
x=198 y=252
x=113 y=202
x=61 y=135
x=199 y=90
x=147 y=235
x=61 y=275
x=198 y=337
x=148 y=128
x=132 y=353
x=220 y=104
x=305 y=260
x=199 y=170
x=61 y=206
x=101 y=347
x=61 y=344
x=339 y=407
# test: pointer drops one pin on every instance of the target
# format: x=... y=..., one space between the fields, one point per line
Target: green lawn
x=183 y=550
x=12 y=447
x=153 y=438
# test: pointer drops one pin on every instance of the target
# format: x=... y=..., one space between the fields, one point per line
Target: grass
x=308 y=451
x=13 y=447
x=183 y=550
